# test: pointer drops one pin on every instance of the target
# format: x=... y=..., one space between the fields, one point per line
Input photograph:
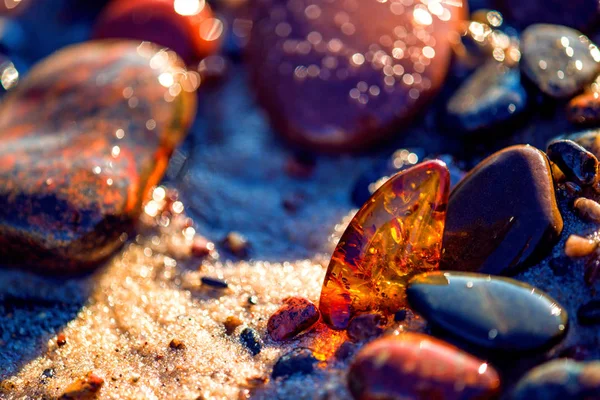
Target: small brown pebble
x=577 y=246
x=587 y=209
x=366 y=326
x=296 y=315
x=84 y=388
x=231 y=323
x=237 y=244
x=177 y=344
x=201 y=246
x=61 y=339
x=6 y=386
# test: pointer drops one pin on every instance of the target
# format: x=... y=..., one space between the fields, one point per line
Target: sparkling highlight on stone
x=395 y=235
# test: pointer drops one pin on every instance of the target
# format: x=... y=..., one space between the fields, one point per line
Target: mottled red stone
x=187 y=27
x=295 y=316
x=419 y=367
x=84 y=137
x=395 y=235
x=364 y=67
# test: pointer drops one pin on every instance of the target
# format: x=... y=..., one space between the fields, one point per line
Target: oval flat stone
x=364 y=67
x=188 y=27
x=84 y=137
x=492 y=95
x=503 y=214
x=491 y=312
x=558 y=59
x=559 y=380
x=296 y=315
x=417 y=366
x=395 y=235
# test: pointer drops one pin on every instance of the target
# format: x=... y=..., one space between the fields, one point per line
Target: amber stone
x=296 y=315
x=396 y=234
x=503 y=214
x=365 y=67
x=84 y=137
x=187 y=27
x=419 y=367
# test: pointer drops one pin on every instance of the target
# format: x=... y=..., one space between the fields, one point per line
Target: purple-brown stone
x=85 y=136
x=362 y=67
x=296 y=315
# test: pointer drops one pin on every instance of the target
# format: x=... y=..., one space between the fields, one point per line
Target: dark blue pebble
x=214 y=282
x=298 y=361
x=251 y=340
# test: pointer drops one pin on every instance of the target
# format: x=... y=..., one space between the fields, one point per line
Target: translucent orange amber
x=396 y=234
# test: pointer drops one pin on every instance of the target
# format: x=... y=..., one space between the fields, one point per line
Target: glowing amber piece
x=396 y=234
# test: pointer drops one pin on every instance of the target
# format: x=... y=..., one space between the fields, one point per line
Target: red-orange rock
x=419 y=367
x=394 y=236
x=187 y=27
x=295 y=316
x=85 y=388
x=85 y=136
x=364 y=67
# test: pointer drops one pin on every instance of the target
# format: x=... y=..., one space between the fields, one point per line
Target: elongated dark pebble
x=251 y=339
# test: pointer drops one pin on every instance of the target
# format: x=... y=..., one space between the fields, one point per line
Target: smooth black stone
x=492 y=95
x=48 y=373
x=589 y=140
x=589 y=313
x=214 y=282
x=298 y=361
x=503 y=215
x=560 y=380
x=495 y=313
x=574 y=161
x=251 y=340
x=558 y=59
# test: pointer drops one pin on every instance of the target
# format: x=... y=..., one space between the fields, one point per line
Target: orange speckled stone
x=296 y=315
x=585 y=108
x=84 y=137
x=187 y=27
x=419 y=367
x=396 y=234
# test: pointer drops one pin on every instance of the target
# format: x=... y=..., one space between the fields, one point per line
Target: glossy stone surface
x=366 y=326
x=394 y=236
x=416 y=366
x=492 y=312
x=491 y=96
x=187 y=27
x=377 y=62
x=491 y=226
x=558 y=59
x=589 y=140
x=296 y=315
x=575 y=162
x=559 y=380
x=84 y=137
